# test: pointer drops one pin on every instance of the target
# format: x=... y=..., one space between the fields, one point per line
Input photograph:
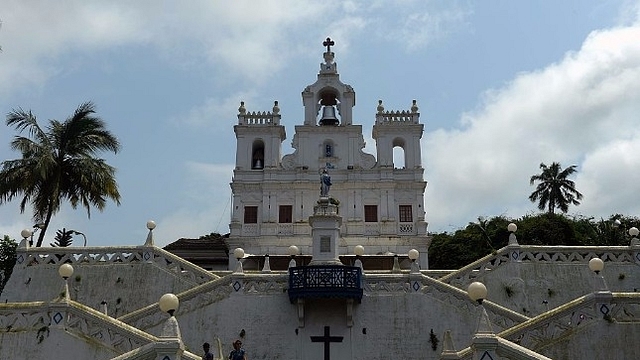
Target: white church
x=327 y=259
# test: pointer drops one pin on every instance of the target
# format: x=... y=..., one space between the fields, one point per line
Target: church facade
x=381 y=202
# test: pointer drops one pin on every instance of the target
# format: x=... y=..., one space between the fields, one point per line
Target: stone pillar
x=325 y=232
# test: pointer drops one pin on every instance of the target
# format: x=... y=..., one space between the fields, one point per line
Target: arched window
x=399 y=155
x=257 y=155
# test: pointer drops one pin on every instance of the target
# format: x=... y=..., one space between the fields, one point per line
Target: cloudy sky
x=502 y=86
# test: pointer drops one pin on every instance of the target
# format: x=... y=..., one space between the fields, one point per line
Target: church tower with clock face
x=379 y=197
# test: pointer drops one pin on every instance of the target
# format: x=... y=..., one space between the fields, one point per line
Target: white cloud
x=581 y=110
x=213 y=110
x=251 y=40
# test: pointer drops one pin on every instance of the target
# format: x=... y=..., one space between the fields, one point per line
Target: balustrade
x=332 y=281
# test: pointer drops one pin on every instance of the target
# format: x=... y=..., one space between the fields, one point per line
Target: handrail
x=536 y=253
x=113 y=255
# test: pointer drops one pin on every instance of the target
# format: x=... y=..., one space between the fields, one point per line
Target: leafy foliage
x=476 y=240
x=555 y=190
x=59 y=164
x=7 y=259
x=63 y=238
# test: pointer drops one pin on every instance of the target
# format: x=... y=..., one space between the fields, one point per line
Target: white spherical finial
x=413 y=254
x=238 y=253
x=151 y=224
x=26 y=233
x=169 y=303
x=477 y=291
x=65 y=271
x=596 y=265
x=512 y=227
x=293 y=250
x=634 y=231
x=358 y=250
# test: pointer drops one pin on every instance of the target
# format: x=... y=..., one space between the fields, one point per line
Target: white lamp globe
x=26 y=233
x=151 y=224
x=169 y=303
x=413 y=254
x=596 y=265
x=512 y=227
x=65 y=271
x=238 y=253
x=358 y=250
x=293 y=250
x=634 y=231
x=477 y=291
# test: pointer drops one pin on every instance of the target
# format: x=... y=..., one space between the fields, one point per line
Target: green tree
x=59 y=164
x=7 y=259
x=63 y=238
x=554 y=189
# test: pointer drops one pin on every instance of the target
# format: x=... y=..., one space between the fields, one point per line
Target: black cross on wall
x=327 y=340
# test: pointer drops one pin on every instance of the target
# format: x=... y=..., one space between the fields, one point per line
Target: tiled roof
x=214 y=244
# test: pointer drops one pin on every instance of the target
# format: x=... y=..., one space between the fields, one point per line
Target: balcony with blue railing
x=325 y=281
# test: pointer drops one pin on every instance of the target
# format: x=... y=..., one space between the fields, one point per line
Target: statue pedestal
x=325 y=232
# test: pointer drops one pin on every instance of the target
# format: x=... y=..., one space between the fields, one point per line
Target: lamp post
x=596 y=265
x=238 y=253
x=633 y=232
x=169 y=303
x=150 y=225
x=65 y=271
x=293 y=252
x=26 y=234
x=512 y=228
x=358 y=250
x=413 y=256
x=84 y=237
x=478 y=292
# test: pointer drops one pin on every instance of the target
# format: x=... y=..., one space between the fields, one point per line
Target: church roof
x=213 y=246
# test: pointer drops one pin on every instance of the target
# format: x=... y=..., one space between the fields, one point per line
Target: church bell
x=328 y=115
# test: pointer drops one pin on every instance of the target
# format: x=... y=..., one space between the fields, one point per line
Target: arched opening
x=328 y=108
x=257 y=155
x=399 y=156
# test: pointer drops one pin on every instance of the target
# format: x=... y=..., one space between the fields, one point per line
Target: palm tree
x=555 y=190
x=59 y=164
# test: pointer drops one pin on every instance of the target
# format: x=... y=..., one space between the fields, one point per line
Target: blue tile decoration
x=146 y=256
x=604 y=309
x=58 y=317
x=486 y=356
x=20 y=259
x=515 y=255
x=237 y=286
x=638 y=256
x=416 y=286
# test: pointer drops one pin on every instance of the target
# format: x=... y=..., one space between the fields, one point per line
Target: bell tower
x=329 y=94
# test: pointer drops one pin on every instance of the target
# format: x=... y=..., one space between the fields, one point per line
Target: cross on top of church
x=328 y=43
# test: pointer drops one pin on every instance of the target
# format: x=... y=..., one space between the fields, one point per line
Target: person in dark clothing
x=238 y=352
x=207 y=354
